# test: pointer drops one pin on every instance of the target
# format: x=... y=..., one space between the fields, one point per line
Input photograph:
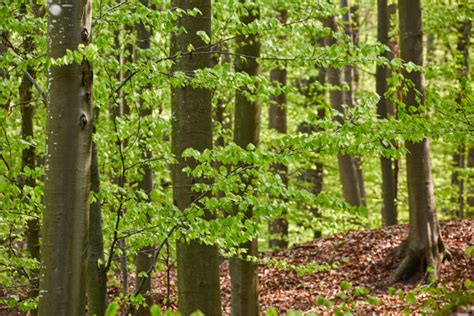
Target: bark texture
x=347 y=170
x=198 y=266
x=244 y=274
x=385 y=108
x=68 y=160
x=424 y=246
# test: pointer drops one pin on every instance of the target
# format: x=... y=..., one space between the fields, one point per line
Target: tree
x=459 y=157
x=68 y=158
x=96 y=274
x=144 y=260
x=424 y=246
x=385 y=109
x=244 y=274
x=277 y=121
x=347 y=170
x=348 y=96
x=198 y=266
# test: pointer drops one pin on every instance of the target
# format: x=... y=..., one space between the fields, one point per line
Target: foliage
x=236 y=179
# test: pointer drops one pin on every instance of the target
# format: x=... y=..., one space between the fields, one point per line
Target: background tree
x=385 y=109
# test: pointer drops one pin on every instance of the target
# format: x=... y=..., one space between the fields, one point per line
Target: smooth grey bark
x=347 y=170
x=198 y=265
x=144 y=260
x=385 y=109
x=68 y=159
x=278 y=228
x=244 y=273
x=424 y=246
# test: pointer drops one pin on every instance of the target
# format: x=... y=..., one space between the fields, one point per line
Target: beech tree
x=198 y=266
x=277 y=121
x=385 y=109
x=68 y=159
x=347 y=170
x=243 y=272
x=424 y=247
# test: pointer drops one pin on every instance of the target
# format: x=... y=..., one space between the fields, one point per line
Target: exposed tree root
x=415 y=264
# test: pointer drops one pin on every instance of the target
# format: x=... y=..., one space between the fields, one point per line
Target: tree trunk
x=470 y=166
x=315 y=176
x=144 y=260
x=278 y=228
x=348 y=96
x=28 y=161
x=347 y=170
x=385 y=108
x=244 y=273
x=96 y=275
x=459 y=158
x=424 y=247
x=68 y=159
x=198 y=266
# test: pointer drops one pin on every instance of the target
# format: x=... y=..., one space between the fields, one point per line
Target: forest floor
x=345 y=272
x=359 y=264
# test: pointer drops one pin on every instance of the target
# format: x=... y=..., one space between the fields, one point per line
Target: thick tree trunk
x=244 y=273
x=198 y=265
x=385 y=108
x=278 y=228
x=424 y=247
x=68 y=159
x=347 y=170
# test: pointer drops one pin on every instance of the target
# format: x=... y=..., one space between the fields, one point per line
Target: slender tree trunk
x=3 y=72
x=385 y=108
x=459 y=158
x=120 y=108
x=278 y=228
x=28 y=161
x=198 y=265
x=144 y=260
x=96 y=275
x=348 y=96
x=315 y=176
x=470 y=180
x=68 y=159
x=347 y=170
x=424 y=247
x=244 y=273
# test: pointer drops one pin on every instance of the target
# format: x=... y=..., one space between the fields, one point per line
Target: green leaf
x=112 y=309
